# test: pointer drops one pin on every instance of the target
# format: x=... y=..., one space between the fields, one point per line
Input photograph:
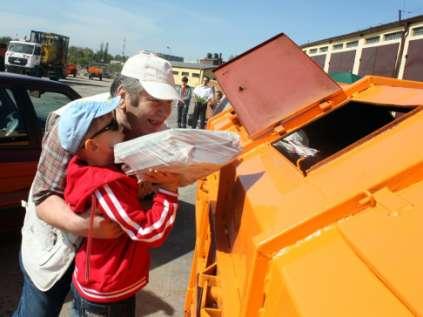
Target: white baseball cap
x=154 y=73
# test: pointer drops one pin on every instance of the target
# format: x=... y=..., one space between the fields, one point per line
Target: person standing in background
x=220 y=102
x=203 y=95
x=185 y=93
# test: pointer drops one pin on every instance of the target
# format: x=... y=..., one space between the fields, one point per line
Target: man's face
x=205 y=81
x=145 y=116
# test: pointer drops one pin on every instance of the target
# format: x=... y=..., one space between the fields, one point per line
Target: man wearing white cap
x=51 y=230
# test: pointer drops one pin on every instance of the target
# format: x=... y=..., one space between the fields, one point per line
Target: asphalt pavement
x=171 y=264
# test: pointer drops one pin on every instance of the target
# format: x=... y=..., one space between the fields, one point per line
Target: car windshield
x=21 y=48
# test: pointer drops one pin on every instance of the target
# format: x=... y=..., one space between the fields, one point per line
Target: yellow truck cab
x=322 y=213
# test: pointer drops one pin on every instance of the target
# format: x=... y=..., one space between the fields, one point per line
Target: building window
x=313 y=50
x=185 y=74
x=175 y=72
x=352 y=44
x=195 y=75
x=392 y=36
x=338 y=46
x=418 y=31
x=373 y=39
x=323 y=49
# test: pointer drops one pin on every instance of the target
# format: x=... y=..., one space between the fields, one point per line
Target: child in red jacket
x=108 y=273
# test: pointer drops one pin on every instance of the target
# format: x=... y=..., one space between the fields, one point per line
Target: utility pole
x=106 y=52
x=101 y=53
x=403 y=11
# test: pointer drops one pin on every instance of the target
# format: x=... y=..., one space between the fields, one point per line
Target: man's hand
x=105 y=229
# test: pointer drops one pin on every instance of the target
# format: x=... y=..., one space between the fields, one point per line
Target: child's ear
x=90 y=145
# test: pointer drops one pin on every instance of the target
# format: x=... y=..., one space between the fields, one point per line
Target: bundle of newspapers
x=192 y=154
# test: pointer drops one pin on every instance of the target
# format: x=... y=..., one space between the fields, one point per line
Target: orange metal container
x=95 y=71
x=71 y=70
x=337 y=233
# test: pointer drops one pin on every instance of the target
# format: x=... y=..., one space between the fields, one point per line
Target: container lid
x=271 y=82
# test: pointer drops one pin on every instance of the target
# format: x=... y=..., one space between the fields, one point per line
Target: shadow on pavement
x=180 y=241
x=149 y=303
x=10 y=275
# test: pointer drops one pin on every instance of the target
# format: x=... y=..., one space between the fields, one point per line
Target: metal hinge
x=386 y=198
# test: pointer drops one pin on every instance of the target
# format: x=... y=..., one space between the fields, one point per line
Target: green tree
x=120 y=58
x=80 y=56
x=114 y=68
x=87 y=57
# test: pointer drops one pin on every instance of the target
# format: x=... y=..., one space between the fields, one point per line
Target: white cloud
x=154 y=25
x=20 y=25
x=88 y=23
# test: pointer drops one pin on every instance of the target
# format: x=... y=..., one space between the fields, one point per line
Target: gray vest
x=47 y=251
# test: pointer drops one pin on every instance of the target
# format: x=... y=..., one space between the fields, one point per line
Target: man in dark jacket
x=185 y=93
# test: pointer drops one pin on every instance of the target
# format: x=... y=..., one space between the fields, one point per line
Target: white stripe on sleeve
x=136 y=227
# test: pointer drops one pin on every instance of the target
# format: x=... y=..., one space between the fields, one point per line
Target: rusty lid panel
x=271 y=82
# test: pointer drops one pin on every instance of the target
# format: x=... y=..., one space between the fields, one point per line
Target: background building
x=170 y=58
x=193 y=71
x=212 y=59
x=394 y=50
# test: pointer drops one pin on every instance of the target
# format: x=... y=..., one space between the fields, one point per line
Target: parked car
x=25 y=103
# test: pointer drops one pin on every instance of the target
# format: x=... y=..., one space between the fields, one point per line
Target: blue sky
x=193 y=28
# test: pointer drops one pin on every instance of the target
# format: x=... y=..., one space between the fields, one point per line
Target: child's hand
x=165 y=180
x=144 y=188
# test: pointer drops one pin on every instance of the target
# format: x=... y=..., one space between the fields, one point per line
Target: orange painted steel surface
x=95 y=71
x=71 y=70
x=249 y=82
x=15 y=181
x=337 y=234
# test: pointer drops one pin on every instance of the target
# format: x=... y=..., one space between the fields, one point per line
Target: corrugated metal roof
x=372 y=29
x=192 y=65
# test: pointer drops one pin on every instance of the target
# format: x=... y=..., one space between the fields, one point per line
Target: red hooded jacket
x=110 y=270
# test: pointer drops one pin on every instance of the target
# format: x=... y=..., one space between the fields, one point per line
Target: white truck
x=23 y=57
x=45 y=54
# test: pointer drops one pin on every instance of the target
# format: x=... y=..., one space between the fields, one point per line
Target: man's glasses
x=112 y=126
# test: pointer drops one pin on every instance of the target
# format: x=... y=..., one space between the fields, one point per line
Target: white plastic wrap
x=192 y=154
x=297 y=143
